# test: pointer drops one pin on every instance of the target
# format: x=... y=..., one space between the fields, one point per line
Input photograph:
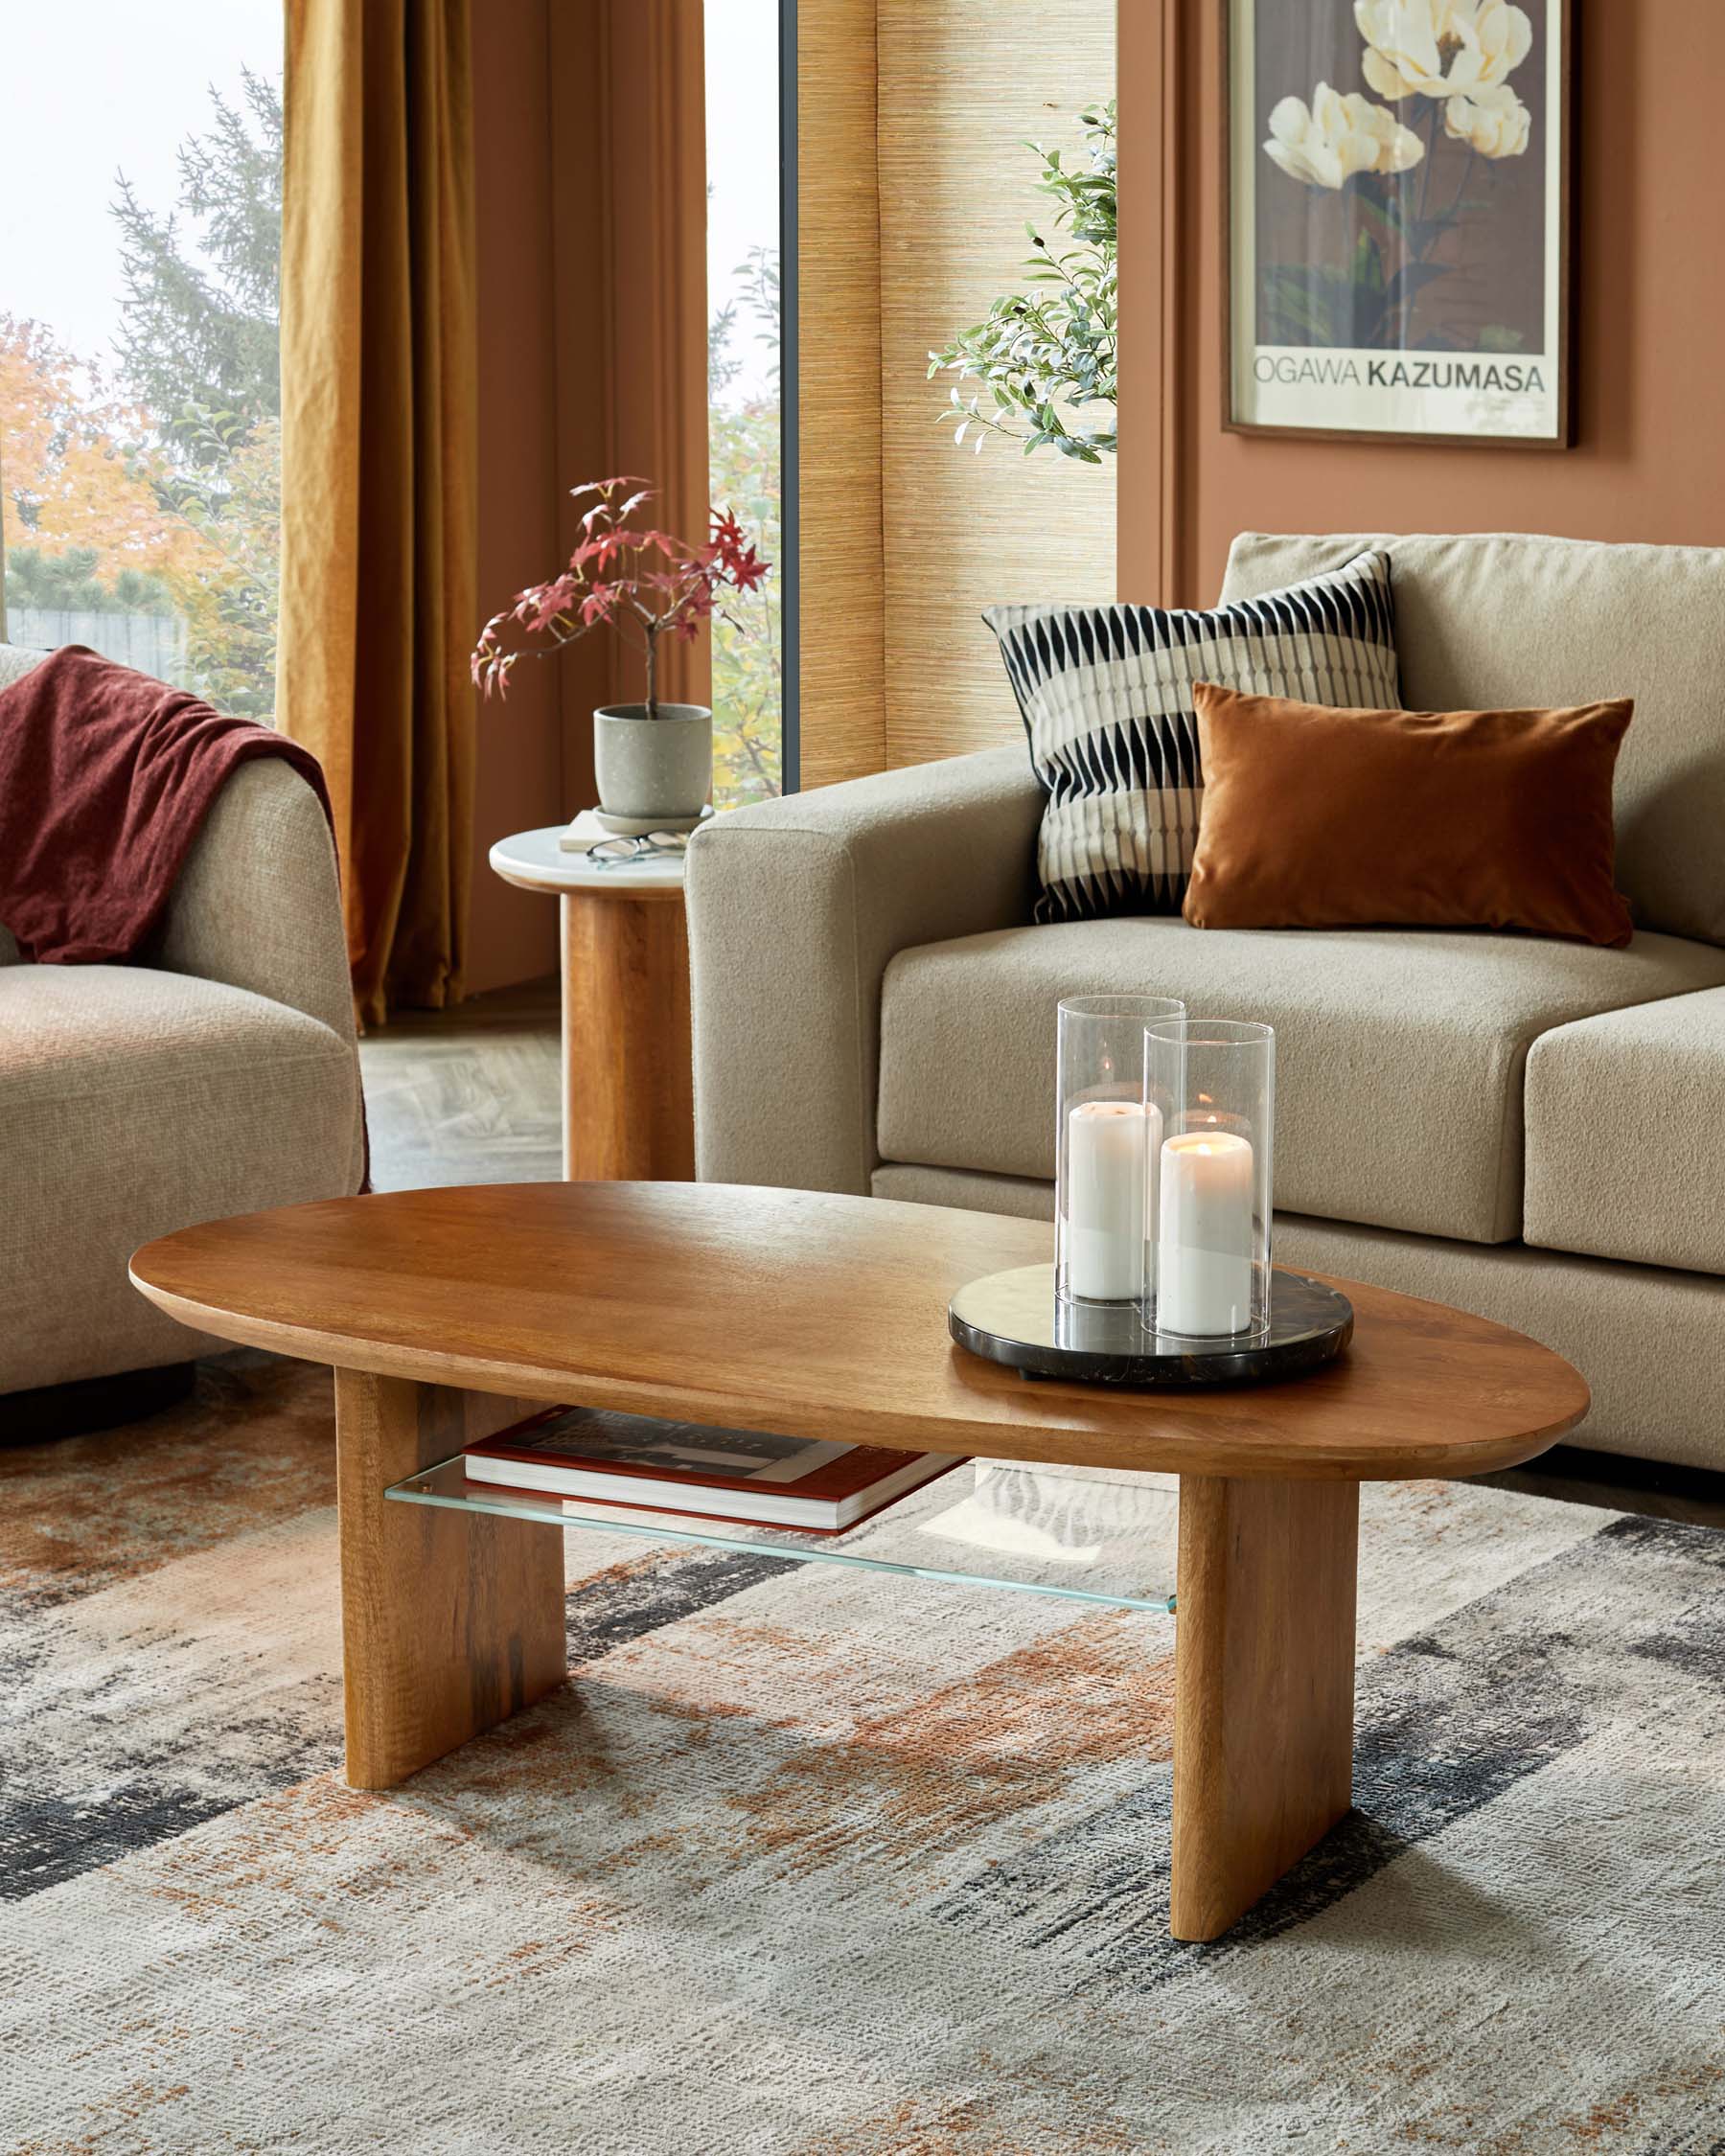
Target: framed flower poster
x=1396 y=207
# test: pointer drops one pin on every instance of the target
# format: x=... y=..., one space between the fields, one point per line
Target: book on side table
x=588 y=1455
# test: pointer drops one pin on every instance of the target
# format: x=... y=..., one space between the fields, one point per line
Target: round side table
x=629 y=1105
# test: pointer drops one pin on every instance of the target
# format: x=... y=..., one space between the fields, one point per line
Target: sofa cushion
x=1319 y=819
x=1623 y=1151
x=1496 y=621
x=1400 y=1053
x=1106 y=695
x=135 y=1102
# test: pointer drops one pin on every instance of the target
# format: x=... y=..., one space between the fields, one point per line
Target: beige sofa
x=1529 y=1129
x=217 y=1076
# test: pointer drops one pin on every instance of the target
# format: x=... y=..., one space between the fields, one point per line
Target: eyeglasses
x=618 y=852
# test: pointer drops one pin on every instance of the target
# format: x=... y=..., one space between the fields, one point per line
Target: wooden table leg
x=450 y=1621
x=1263 y=1687
x=629 y=1089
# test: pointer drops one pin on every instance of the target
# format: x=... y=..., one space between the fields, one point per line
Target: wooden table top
x=808 y=1314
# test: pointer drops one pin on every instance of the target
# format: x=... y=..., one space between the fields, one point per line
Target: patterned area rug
x=809 y=1863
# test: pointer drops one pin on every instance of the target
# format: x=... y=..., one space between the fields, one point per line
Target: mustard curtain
x=379 y=462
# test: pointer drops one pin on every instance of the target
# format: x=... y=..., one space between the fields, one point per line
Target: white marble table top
x=533 y=860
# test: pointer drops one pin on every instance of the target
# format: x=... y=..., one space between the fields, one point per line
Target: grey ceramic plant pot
x=659 y=767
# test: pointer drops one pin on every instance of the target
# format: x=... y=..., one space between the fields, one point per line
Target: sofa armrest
x=257 y=904
x=795 y=907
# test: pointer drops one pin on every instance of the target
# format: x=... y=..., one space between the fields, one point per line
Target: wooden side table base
x=628 y=1065
x=450 y=1621
x=1263 y=1687
x=629 y=1089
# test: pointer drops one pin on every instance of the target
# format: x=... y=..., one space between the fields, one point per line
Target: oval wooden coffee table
x=447 y=1314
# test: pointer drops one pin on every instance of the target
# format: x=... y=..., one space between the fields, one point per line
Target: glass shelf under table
x=1086 y=1536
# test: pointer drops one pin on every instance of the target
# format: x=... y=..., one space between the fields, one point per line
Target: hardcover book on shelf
x=588 y=1455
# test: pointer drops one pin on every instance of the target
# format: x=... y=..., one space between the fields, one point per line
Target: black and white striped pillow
x=1106 y=694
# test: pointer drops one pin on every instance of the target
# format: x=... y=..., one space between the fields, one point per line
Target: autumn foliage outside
x=153 y=485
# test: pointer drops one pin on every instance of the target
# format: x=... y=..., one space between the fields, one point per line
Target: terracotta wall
x=590 y=141
x=1650 y=455
x=519 y=778
x=629 y=123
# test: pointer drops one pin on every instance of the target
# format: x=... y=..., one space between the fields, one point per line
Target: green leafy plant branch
x=1042 y=358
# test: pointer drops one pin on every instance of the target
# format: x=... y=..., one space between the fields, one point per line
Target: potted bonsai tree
x=653 y=760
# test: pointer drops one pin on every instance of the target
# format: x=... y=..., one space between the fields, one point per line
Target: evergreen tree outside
x=68 y=582
x=201 y=352
x=202 y=337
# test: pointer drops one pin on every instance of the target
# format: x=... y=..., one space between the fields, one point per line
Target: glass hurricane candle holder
x=1109 y=1130
x=1212 y=1082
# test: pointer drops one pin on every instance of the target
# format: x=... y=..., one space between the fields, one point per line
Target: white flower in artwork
x=1338 y=136
x=1441 y=48
x=1398 y=148
x=1494 y=122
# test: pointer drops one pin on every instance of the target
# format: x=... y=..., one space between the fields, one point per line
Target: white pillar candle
x=1203 y=1260
x=1111 y=1146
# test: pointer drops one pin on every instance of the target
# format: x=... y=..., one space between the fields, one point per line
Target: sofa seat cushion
x=1625 y=1158
x=1400 y=1053
x=134 y=1102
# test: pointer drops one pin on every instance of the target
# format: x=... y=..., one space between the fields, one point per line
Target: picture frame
x=1396 y=221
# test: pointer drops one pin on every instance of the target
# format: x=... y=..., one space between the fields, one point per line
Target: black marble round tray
x=1016 y=1317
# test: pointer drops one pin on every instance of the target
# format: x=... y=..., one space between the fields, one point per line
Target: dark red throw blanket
x=106 y=779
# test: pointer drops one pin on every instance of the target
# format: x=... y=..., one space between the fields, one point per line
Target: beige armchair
x=217 y=1075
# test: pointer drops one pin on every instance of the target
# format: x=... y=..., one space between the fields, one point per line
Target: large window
x=746 y=378
x=140 y=395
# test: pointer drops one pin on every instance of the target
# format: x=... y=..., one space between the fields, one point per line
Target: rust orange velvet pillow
x=1322 y=818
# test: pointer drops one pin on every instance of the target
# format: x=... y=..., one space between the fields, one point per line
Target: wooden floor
x=474 y=1095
